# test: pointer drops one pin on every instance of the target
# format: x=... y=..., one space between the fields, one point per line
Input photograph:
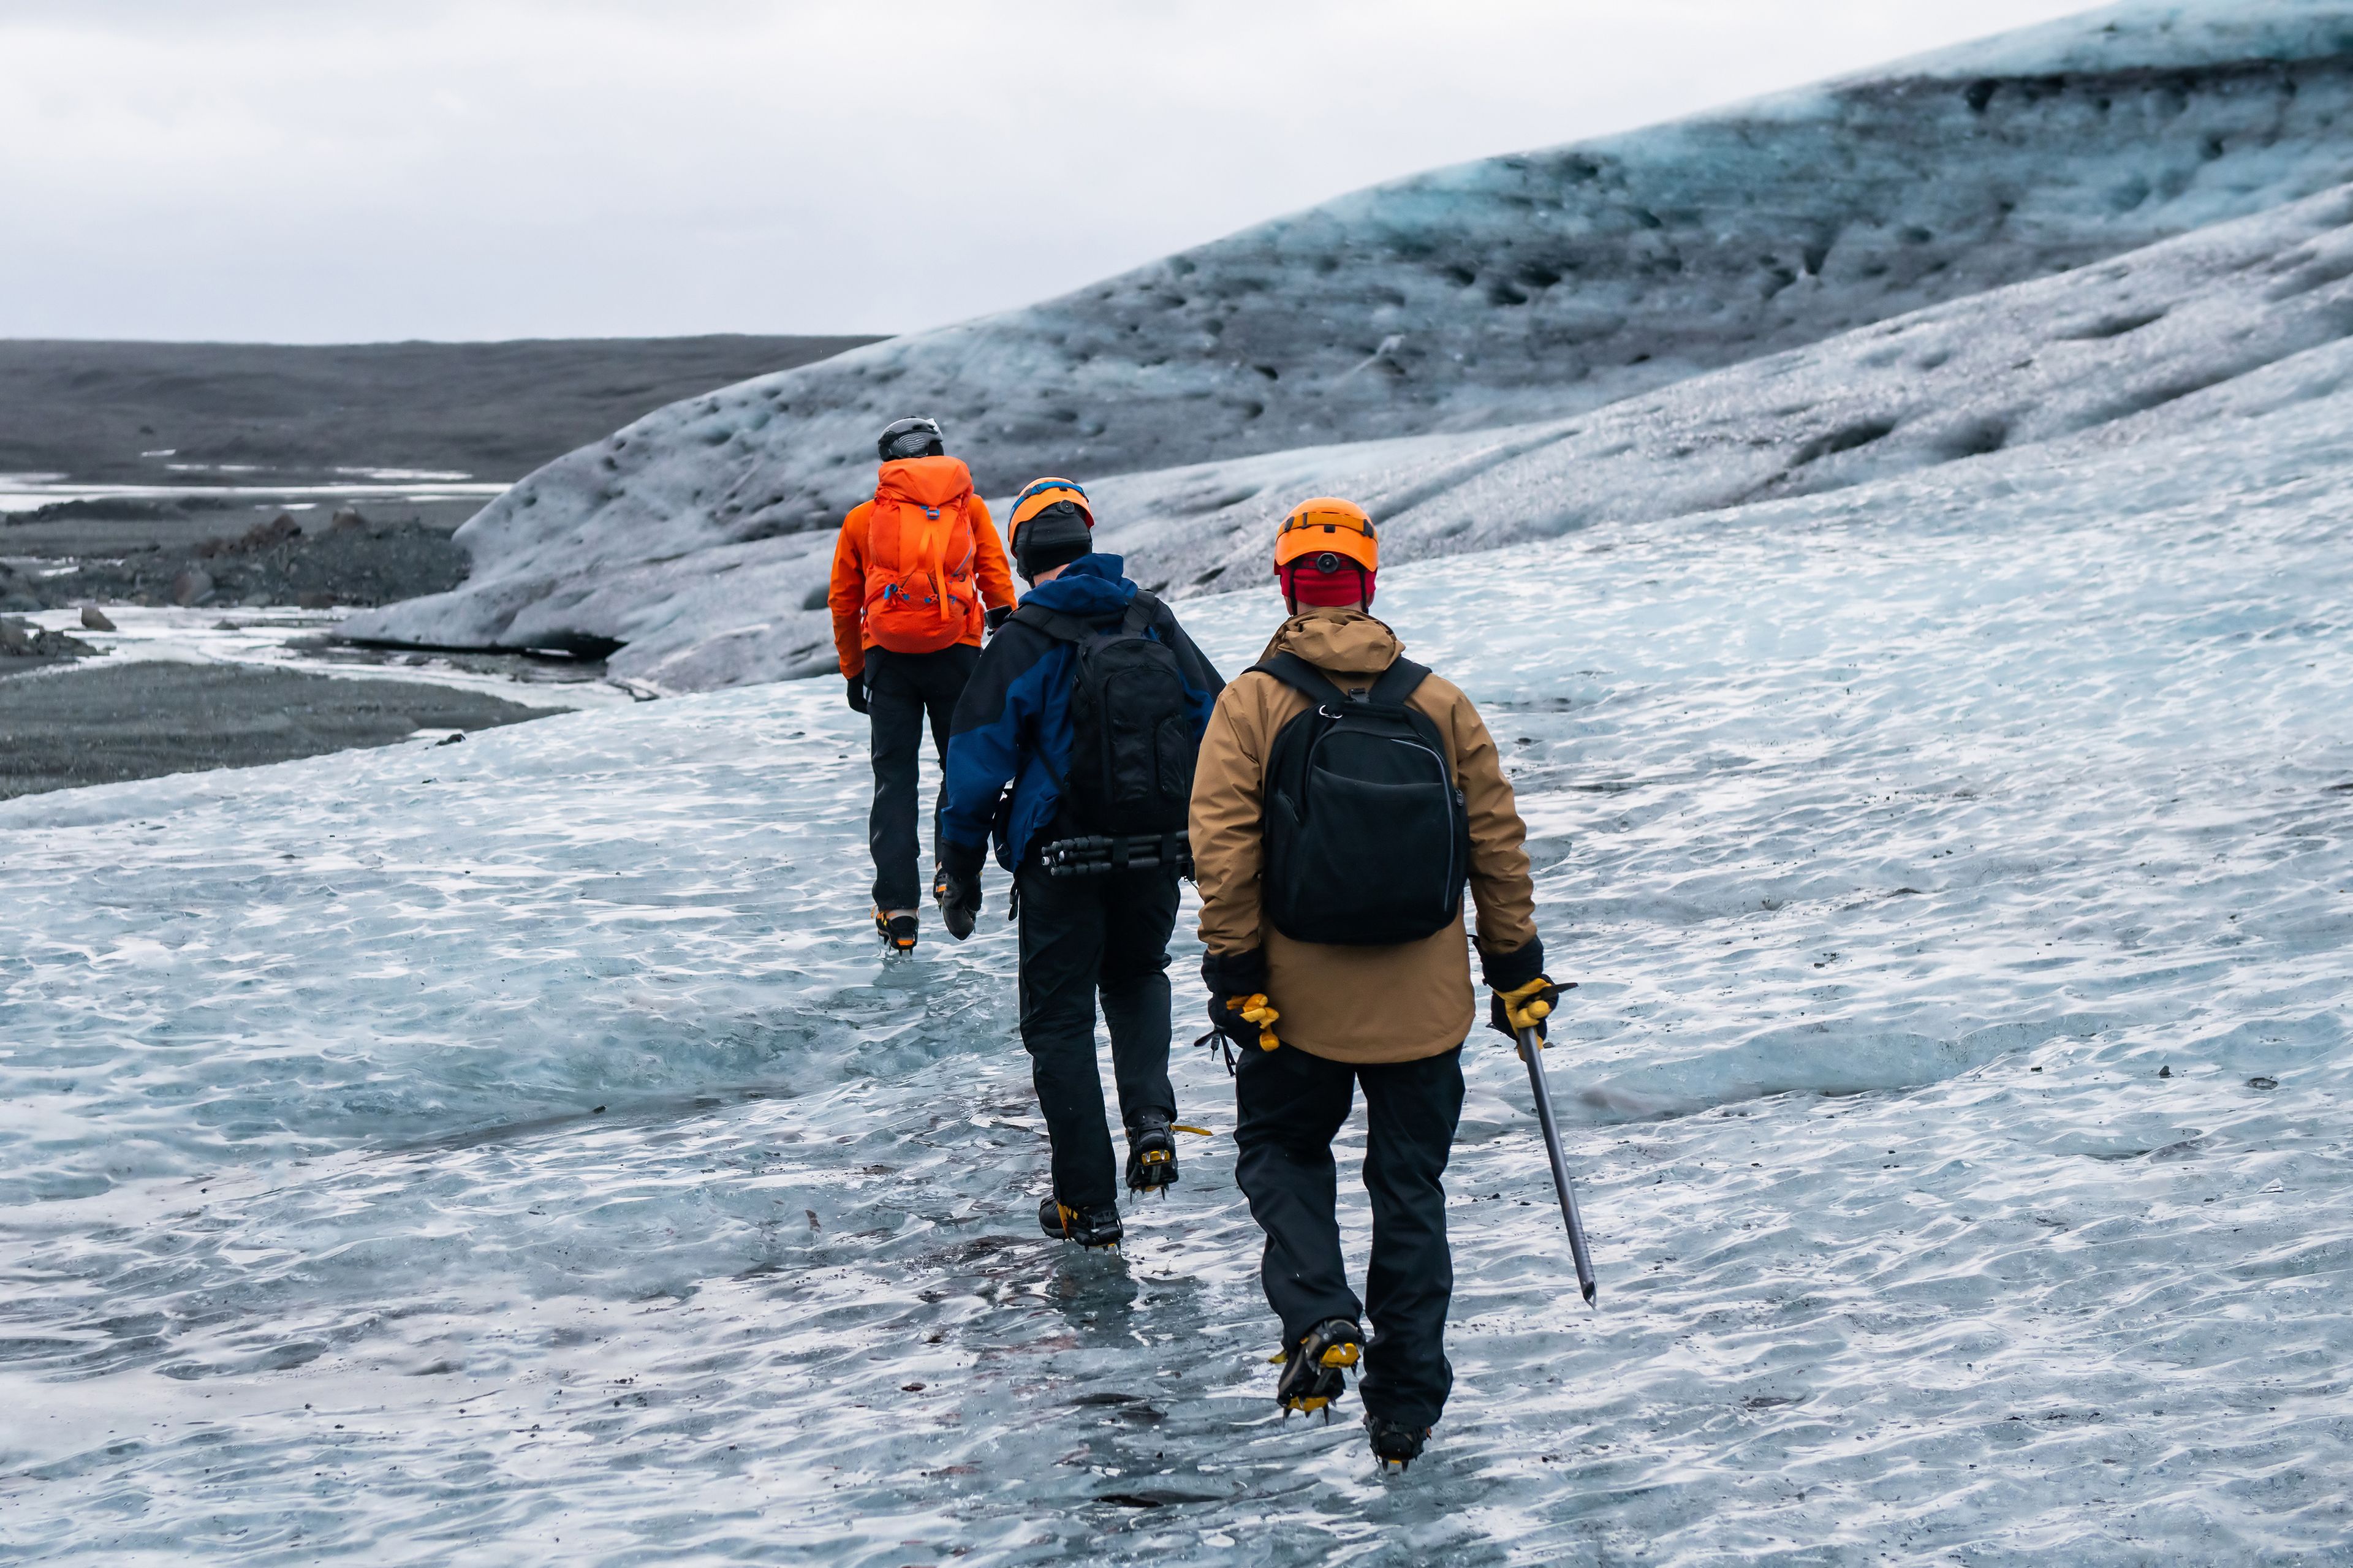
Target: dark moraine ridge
x=496 y=411
x=106 y=722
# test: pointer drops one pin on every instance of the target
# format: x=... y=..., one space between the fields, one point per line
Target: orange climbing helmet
x=1327 y=553
x=1051 y=524
x=1040 y=494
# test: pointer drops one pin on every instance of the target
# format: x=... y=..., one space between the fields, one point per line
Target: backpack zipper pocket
x=1446 y=780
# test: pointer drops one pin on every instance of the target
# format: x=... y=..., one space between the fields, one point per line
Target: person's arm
x=988 y=737
x=1500 y=884
x=846 y=595
x=989 y=568
x=1227 y=825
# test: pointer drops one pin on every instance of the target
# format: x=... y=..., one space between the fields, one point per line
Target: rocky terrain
x=140 y=412
x=24 y=646
x=106 y=722
x=348 y=561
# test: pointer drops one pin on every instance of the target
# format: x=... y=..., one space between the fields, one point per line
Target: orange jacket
x=859 y=579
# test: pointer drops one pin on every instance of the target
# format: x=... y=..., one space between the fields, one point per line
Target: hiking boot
x=1394 y=1445
x=1151 y=1154
x=1090 y=1227
x=897 y=932
x=1311 y=1374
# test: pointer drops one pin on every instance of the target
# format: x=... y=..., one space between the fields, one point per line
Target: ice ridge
x=2231 y=321
x=1515 y=290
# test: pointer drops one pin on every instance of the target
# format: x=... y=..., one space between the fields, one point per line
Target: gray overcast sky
x=288 y=171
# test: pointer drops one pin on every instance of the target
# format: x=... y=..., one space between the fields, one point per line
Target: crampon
x=1311 y=1369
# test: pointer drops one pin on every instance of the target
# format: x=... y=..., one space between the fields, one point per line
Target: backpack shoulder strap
x=1302 y=677
x=1399 y=681
x=1143 y=612
x=1054 y=623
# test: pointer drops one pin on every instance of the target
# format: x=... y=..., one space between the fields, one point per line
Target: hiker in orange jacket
x=918 y=573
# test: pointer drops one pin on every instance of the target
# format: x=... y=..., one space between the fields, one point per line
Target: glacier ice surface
x=519 y=1155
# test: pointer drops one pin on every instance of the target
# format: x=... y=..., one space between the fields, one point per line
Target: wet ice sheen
x=1851 y=812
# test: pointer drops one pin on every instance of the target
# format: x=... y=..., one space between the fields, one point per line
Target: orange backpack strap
x=883 y=534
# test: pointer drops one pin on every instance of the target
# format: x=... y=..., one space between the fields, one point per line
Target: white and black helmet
x=910 y=439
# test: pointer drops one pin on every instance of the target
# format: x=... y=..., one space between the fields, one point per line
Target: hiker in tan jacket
x=1333 y=837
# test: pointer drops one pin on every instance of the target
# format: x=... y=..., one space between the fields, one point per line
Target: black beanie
x=1055 y=536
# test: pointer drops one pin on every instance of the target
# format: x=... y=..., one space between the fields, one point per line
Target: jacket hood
x=926 y=481
x=1088 y=588
x=1343 y=642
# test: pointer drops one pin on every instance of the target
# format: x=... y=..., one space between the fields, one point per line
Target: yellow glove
x=1255 y=1009
x=1523 y=1007
x=1240 y=1014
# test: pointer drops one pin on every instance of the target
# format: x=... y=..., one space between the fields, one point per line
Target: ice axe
x=1532 y=1051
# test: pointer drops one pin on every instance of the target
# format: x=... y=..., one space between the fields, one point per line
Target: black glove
x=996 y=617
x=955 y=888
x=1523 y=996
x=858 y=694
x=1238 y=1004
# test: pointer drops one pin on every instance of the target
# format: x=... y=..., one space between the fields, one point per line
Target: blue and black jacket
x=1012 y=725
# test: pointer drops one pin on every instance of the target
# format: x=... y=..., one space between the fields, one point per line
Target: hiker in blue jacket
x=1073 y=745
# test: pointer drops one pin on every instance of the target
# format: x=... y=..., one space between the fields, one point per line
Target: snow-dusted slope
x=1496 y=292
x=516 y=1153
x=2236 y=318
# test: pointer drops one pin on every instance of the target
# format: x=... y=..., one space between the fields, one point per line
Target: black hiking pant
x=1291 y=1104
x=901 y=690
x=1081 y=936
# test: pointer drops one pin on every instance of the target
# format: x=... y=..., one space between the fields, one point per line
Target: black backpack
x=1132 y=743
x=1367 y=838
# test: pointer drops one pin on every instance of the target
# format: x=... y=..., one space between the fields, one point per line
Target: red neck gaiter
x=1309 y=588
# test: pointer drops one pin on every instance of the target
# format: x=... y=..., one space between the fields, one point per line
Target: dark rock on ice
x=23 y=643
x=192 y=584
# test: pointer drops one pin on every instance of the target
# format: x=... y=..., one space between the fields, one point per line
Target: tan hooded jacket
x=1353 y=1004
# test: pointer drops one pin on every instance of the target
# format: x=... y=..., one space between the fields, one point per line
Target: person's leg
x=942 y=679
x=1061 y=949
x=1410 y=1110
x=1140 y=911
x=894 y=711
x=1290 y=1104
